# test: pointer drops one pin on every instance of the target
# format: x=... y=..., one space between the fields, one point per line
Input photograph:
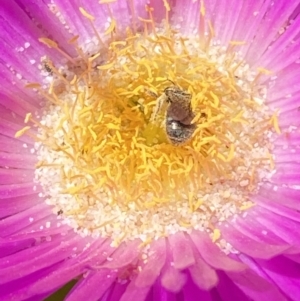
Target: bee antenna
x=171 y=82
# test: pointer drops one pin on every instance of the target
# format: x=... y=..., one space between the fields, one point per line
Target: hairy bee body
x=179 y=115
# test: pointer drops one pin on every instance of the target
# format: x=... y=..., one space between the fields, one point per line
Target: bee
x=179 y=114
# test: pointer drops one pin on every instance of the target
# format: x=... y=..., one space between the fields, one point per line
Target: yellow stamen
x=27 y=117
x=216 y=235
x=274 y=122
x=52 y=44
x=86 y=14
x=22 y=131
x=247 y=206
x=237 y=43
x=264 y=71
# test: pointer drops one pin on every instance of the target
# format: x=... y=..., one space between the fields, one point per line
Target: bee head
x=169 y=91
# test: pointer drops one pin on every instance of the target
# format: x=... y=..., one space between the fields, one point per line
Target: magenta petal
x=249 y=246
x=17 y=204
x=124 y=255
x=203 y=275
x=156 y=260
x=285 y=273
x=23 y=161
x=213 y=255
x=255 y=287
x=19 y=221
x=134 y=292
x=172 y=279
x=181 y=251
x=40 y=257
x=16 y=190
x=11 y=246
x=228 y=290
x=18 y=289
x=190 y=290
x=64 y=272
x=94 y=285
x=11 y=145
x=160 y=294
x=291 y=196
x=116 y=291
x=15 y=176
x=284 y=227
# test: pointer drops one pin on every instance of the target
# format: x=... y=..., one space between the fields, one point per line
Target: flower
x=159 y=155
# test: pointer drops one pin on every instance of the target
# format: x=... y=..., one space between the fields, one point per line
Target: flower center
x=152 y=135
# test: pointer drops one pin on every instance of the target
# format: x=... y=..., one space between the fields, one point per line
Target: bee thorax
x=178 y=112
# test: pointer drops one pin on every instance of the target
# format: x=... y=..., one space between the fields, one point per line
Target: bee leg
x=159 y=103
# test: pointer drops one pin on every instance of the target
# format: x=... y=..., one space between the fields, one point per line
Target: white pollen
x=27 y=44
x=244 y=183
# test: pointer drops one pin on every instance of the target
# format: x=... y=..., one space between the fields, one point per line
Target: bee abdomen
x=179 y=133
